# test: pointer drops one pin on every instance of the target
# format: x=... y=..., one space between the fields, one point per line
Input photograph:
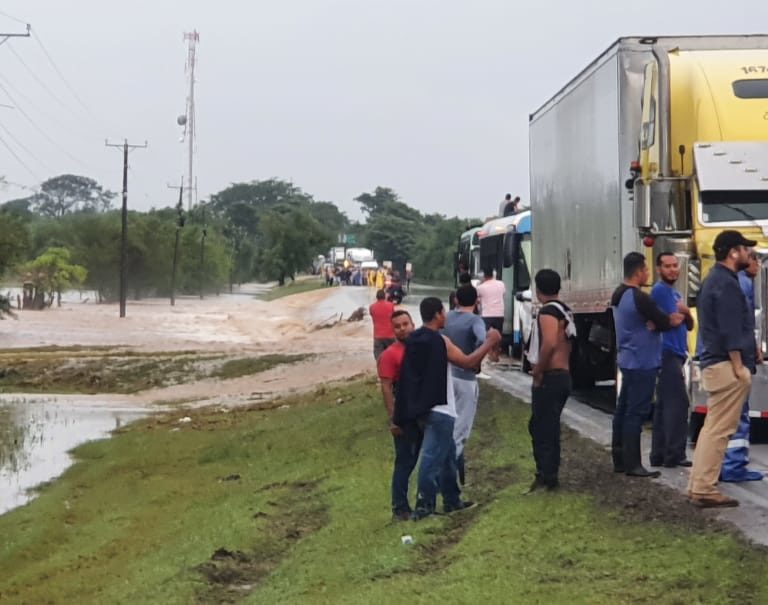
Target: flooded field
x=36 y=434
x=229 y=350
x=82 y=348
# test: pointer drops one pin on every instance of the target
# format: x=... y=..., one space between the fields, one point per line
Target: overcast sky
x=428 y=97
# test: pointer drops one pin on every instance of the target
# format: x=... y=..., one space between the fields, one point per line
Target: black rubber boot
x=617 y=454
x=633 y=466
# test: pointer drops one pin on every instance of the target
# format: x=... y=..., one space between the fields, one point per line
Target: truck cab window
x=751 y=89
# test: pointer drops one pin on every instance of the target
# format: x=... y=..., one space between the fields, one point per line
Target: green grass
x=293 y=502
x=296 y=287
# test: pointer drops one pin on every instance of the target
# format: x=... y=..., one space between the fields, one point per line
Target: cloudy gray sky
x=428 y=97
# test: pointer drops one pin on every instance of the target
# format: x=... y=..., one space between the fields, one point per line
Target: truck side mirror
x=510 y=244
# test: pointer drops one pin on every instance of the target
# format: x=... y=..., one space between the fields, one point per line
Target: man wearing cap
x=727 y=363
x=736 y=459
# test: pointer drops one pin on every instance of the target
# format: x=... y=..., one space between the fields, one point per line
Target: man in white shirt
x=490 y=297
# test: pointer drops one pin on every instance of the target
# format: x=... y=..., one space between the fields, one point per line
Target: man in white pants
x=467 y=331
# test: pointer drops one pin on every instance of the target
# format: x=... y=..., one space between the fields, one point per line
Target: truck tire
x=582 y=373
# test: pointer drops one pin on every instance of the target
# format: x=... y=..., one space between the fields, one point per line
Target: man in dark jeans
x=425 y=395
x=639 y=323
x=551 y=378
x=407 y=438
x=670 y=414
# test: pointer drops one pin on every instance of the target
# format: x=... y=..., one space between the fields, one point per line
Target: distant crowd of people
x=428 y=377
x=381 y=279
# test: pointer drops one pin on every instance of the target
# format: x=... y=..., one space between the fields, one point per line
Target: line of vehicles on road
x=657 y=145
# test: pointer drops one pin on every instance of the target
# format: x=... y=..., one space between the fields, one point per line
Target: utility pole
x=124 y=218
x=5 y=37
x=180 y=219
x=189 y=118
x=202 y=254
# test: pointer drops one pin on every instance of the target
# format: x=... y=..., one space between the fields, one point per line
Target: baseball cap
x=730 y=238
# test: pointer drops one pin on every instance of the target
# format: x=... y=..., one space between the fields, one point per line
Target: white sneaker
x=484 y=376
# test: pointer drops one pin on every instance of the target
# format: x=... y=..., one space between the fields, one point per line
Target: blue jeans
x=407 y=448
x=438 y=464
x=634 y=405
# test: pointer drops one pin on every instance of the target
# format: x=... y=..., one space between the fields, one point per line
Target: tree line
x=67 y=235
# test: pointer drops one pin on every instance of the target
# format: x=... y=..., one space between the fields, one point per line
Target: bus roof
x=520 y=222
x=470 y=232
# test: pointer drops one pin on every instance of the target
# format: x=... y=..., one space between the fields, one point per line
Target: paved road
x=751 y=517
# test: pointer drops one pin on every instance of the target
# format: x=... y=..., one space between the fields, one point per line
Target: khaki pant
x=726 y=396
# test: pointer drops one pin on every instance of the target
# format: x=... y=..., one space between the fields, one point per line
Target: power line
x=24 y=148
x=61 y=75
x=40 y=130
x=45 y=87
x=12 y=18
x=66 y=125
x=19 y=160
x=20 y=186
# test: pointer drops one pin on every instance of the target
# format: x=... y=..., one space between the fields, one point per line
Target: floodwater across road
x=345 y=299
x=38 y=431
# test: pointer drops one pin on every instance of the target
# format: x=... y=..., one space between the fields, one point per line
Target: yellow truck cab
x=704 y=149
x=658 y=145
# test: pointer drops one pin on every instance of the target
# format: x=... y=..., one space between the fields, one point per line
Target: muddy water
x=37 y=432
x=345 y=299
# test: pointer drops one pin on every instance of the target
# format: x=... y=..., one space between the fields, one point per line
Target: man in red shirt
x=408 y=438
x=381 y=313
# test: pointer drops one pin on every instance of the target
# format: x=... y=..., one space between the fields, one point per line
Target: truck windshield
x=734 y=206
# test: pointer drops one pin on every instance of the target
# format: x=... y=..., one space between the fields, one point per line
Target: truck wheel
x=582 y=374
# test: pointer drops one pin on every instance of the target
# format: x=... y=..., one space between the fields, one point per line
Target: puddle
x=36 y=432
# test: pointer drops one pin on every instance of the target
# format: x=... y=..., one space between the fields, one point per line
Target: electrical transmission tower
x=188 y=119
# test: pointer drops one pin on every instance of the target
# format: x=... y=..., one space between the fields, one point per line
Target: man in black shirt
x=425 y=395
x=727 y=362
x=551 y=378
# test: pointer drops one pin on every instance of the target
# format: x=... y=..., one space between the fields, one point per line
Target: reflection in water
x=36 y=434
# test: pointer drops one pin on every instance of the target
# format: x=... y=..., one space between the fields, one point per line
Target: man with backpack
x=550 y=351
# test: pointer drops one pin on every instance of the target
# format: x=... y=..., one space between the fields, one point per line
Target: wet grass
x=296 y=287
x=92 y=371
x=234 y=368
x=287 y=502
